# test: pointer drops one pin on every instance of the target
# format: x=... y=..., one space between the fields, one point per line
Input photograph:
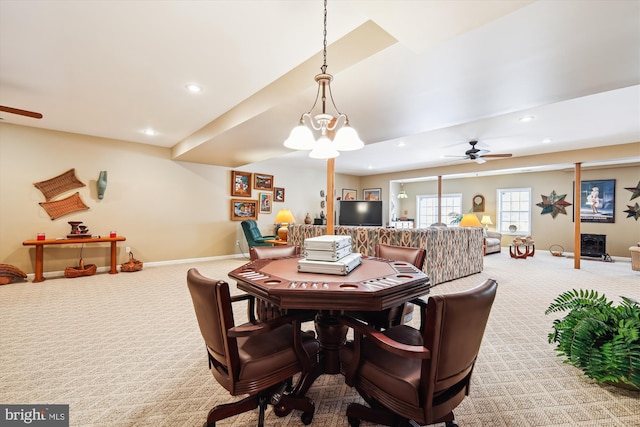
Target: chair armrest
x=251 y=309
x=263 y=238
x=257 y=327
x=388 y=344
x=494 y=234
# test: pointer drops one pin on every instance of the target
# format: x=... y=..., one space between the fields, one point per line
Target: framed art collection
x=243 y=184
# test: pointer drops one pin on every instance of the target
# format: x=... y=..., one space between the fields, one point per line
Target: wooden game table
x=375 y=285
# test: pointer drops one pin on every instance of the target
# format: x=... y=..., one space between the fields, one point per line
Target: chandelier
x=403 y=194
x=302 y=136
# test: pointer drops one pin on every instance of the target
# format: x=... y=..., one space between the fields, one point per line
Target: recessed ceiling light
x=149 y=132
x=546 y=140
x=527 y=118
x=369 y=167
x=193 y=88
x=401 y=144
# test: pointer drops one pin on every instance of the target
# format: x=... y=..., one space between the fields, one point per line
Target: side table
x=522 y=251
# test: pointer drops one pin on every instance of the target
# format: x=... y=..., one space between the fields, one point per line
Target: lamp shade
x=284 y=216
x=470 y=220
x=486 y=220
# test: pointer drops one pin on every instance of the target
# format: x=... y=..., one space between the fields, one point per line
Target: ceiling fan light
x=300 y=138
x=324 y=148
x=347 y=139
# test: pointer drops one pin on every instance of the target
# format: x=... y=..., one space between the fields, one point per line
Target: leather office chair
x=253 y=235
x=406 y=374
x=256 y=358
x=264 y=309
x=402 y=313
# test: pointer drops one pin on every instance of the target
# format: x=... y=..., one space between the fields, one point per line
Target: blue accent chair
x=253 y=234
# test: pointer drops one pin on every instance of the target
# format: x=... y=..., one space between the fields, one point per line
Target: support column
x=576 y=215
x=331 y=196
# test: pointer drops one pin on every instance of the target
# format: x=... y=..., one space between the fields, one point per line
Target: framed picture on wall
x=349 y=194
x=240 y=184
x=372 y=194
x=263 y=182
x=597 y=200
x=278 y=194
x=266 y=200
x=242 y=209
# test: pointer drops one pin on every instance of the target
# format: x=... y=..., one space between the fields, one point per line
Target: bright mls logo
x=34 y=415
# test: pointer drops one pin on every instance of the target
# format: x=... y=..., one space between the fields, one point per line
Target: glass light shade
x=300 y=138
x=470 y=220
x=347 y=139
x=324 y=149
x=403 y=195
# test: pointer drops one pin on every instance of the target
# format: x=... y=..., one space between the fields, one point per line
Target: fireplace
x=593 y=245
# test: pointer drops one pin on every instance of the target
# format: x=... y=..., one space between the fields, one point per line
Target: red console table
x=40 y=244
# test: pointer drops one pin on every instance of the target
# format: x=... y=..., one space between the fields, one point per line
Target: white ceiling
x=432 y=74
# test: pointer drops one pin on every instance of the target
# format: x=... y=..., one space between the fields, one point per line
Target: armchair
x=418 y=376
x=256 y=358
x=492 y=242
x=253 y=235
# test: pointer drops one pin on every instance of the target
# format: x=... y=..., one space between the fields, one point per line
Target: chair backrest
x=411 y=255
x=212 y=304
x=454 y=327
x=251 y=230
x=273 y=252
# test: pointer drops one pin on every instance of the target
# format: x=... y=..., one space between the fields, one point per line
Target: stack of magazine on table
x=329 y=255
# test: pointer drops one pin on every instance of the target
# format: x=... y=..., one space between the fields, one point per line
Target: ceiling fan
x=479 y=155
x=20 y=112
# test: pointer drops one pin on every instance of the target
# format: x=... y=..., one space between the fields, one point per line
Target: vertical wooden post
x=331 y=196
x=576 y=215
x=439 y=200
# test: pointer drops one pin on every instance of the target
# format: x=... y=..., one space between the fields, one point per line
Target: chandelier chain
x=324 y=34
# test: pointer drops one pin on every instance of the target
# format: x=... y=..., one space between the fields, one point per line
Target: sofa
x=492 y=242
x=452 y=252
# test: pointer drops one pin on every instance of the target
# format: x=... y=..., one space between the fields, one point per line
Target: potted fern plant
x=598 y=337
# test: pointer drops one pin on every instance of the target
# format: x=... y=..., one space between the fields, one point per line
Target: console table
x=40 y=244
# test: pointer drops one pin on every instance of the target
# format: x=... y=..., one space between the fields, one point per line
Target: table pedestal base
x=332 y=335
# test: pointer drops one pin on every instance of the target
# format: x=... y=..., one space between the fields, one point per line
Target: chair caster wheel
x=281 y=411
x=306 y=418
x=354 y=422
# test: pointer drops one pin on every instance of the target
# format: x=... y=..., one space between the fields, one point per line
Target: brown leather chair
x=399 y=314
x=409 y=375
x=265 y=310
x=255 y=358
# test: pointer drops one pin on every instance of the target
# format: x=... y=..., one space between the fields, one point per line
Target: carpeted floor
x=125 y=350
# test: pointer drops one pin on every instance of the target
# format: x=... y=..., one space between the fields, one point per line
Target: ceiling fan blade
x=20 y=112
x=497 y=155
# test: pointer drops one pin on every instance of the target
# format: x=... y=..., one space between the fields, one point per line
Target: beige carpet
x=125 y=350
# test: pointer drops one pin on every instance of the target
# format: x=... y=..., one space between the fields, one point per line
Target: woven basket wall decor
x=131 y=265
x=59 y=184
x=58 y=208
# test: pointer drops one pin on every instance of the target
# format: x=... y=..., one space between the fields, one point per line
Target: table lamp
x=470 y=220
x=284 y=218
x=486 y=221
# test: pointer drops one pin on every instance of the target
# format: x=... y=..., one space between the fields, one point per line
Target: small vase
x=307 y=219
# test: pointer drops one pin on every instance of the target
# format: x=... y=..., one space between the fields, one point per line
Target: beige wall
x=167 y=210
x=546 y=230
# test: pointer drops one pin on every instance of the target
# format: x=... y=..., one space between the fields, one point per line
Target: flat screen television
x=360 y=212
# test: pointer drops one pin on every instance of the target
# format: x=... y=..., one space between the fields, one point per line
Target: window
x=428 y=208
x=514 y=210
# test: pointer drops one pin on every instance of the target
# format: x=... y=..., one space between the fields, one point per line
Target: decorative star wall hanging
x=633 y=211
x=553 y=204
x=635 y=191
